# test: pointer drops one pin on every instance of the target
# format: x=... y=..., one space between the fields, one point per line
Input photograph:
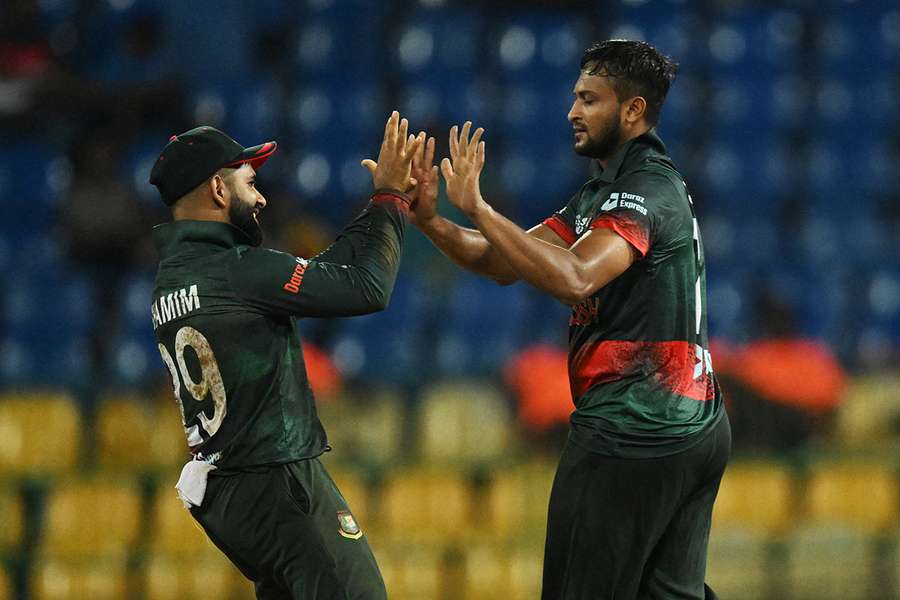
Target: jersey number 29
x=210 y=383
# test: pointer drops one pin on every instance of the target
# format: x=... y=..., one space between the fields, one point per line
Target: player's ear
x=634 y=109
x=219 y=191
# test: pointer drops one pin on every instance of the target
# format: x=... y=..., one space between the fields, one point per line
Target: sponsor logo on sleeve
x=625 y=200
x=293 y=284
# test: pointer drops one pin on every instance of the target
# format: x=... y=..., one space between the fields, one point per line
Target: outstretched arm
x=467 y=248
x=369 y=252
x=569 y=274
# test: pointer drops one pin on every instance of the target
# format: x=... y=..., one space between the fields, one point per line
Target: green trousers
x=289 y=530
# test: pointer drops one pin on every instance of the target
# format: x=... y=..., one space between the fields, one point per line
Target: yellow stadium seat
x=173 y=531
x=91 y=518
x=526 y=570
x=6 y=587
x=830 y=562
x=425 y=506
x=40 y=433
x=465 y=422
x=123 y=431
x=755 y=496
x=77 y=580
x=167 y=442
x=208 y=576
x=487 y=573
x=869 y=411
x=517 y=502
x=364 y=428
x=855 y=494
x=736 y=566
x=12 y=519
x=412 y=572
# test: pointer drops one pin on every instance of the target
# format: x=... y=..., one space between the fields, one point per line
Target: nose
x=260 y=199
x=572 y=113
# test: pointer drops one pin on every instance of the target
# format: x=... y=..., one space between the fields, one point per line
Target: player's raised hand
x=425 y=173
x=392 y=171
x=463 y=169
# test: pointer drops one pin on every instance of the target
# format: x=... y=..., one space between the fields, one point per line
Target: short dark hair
x=635 y=68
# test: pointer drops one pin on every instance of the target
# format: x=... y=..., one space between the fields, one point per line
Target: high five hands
x=461 y=171
x=394 y=166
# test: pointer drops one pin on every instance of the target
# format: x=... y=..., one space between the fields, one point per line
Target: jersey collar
x=171 y=236
x=635 y=149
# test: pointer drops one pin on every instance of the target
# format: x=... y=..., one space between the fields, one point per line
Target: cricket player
x=630 y=507
x=223 y=311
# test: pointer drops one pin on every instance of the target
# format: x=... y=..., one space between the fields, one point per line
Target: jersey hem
x=618 y=449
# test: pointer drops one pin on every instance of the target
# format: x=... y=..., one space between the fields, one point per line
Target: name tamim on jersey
x=175 y=304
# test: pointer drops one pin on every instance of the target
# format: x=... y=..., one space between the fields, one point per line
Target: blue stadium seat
x=484 y=324
x=389 y=345
x=33 y=176
x=726 y=293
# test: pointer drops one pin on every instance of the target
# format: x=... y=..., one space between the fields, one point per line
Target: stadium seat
x=482 y=327
x=859 y=495
x=487 y=573
x=466 y=422
x=105 y=579
x=501 y=571
x=12 y=525
x=173 y=578
x=123 y=428
x=425 y=506
x=869 y=408
x=168 y=442
x=7 y=591
x=411 y=572
x=517 y=502
x=737 y=563
x=364 y=427
x=39 y=433
x=526 y=569
x=831 y=562
x=86 y=518
x=173 y=532
x=757 y=497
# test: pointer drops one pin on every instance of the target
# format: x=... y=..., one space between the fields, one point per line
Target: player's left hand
x=462 y=170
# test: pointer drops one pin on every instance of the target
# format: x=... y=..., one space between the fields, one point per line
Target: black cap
x=192 y=157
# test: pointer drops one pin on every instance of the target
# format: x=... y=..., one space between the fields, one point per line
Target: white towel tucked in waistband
x=191 y=485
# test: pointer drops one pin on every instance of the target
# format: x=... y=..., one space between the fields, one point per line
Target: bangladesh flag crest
x=347 y=525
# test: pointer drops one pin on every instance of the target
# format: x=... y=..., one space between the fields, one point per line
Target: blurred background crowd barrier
x=447 y=412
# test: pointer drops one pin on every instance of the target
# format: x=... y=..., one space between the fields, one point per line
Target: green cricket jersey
x=223 y=312
x=639 y=363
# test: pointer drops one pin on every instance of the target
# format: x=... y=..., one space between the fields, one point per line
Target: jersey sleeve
x=354 y=276
x=562 y=222
x=631 y=208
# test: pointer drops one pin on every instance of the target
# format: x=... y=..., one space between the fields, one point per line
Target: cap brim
x=255 y=155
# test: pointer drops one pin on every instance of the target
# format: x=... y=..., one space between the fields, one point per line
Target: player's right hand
x=392 y=171
x=425 y=194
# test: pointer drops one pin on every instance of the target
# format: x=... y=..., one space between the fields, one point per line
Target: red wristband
x=401 y=200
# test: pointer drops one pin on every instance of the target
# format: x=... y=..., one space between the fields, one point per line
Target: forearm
x=555 y=270
x=469 y=249
x=377 y=246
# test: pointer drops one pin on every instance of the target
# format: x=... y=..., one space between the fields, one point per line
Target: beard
x=605 y=143
x=241 y=214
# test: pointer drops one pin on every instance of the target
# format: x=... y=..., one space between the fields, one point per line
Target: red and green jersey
x=639 y=363
x=223 y=312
